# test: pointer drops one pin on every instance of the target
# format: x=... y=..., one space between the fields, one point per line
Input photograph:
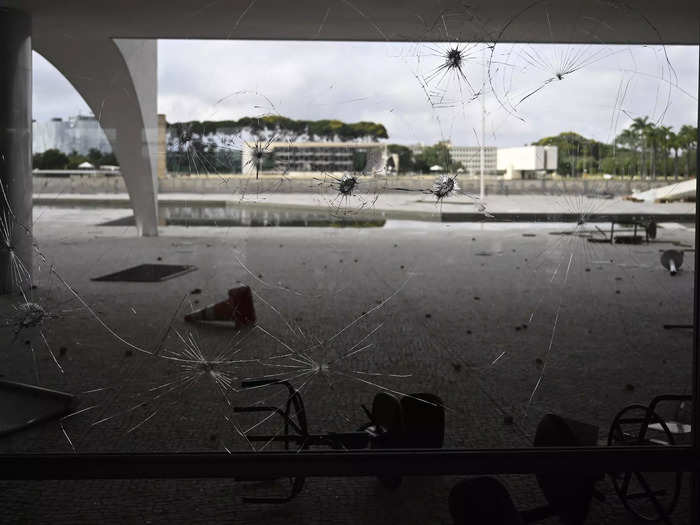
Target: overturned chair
x=485 y=500
x=414 y=421
x=651 y=496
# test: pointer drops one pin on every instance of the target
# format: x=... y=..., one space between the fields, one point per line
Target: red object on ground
x=238 y=308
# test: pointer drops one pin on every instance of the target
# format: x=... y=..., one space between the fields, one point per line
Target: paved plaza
x=504 y=322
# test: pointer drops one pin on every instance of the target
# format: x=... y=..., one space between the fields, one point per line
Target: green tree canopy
x=437 y=155
x=75 y=159
x=51 y=159
x=285 y=128
x=94 y=156
x=405 y=157
x=576 y=153
x=643 y=148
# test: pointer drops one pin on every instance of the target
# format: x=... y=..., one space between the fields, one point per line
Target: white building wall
x=470 y=157
x=516 y=158
x=77 y=133
x=552 y=153
x=48 y=135
x=527 y=158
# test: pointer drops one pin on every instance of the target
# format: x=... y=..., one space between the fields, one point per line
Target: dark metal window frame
x=371 y=463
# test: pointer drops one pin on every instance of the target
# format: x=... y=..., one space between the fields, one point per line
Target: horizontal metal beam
x=346 y=464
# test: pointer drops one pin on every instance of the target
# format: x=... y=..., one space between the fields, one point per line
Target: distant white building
x=527 y=161
x=468 y=156
x=370 y=157
x=80 y=133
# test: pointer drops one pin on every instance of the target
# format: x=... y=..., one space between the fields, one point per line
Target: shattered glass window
x=437 y=240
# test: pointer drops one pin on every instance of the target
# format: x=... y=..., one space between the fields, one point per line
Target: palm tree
x=630 y=140
x=652 y=136
x=640 y=126
x=674 y=143
x=689 y=140
x=663 y=139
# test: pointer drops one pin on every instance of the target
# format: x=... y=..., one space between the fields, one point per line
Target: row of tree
x=53 y=159
x=283 y=129
x=642 y=149
x=436 y=155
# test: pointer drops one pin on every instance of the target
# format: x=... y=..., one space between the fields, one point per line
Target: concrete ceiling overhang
x=576 y=21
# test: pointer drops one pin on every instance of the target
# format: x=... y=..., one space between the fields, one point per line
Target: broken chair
x=650 y=496
x=414 y=421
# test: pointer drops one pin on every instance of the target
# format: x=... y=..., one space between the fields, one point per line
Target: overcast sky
x=392 y=84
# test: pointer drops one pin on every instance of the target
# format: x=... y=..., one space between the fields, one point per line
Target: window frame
x=84 y=466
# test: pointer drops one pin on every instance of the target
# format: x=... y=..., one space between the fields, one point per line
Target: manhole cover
x=148 y=273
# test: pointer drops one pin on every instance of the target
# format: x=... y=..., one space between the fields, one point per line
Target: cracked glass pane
x=391 y=229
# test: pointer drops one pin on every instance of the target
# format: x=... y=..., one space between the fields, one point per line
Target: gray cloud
x=379 y=81
x=52 y=94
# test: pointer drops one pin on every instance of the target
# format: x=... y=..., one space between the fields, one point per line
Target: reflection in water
x=246 y=216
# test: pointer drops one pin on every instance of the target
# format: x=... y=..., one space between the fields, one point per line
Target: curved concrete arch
x=118 y=81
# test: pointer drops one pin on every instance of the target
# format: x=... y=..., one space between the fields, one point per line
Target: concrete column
x=141 y=59
x=118 y=80
x=15 y=150
x=162 y=147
